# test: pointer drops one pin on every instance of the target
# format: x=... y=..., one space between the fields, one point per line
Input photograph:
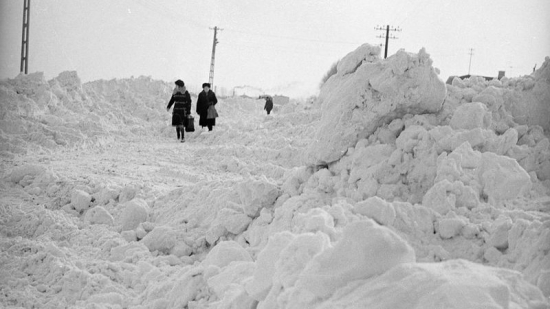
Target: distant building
x=501 y=74
x=280 y=99
x=247 y=91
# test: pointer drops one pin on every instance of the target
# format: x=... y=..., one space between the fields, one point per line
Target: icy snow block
x=470 y=116
x=257 y=194
x=99 y=215
x=365 y=250
x=226 y=252
x=294 y=257
x=530 y=104
x=80 y=200
x=543 y=282
x=135 y=212
x=377 y=209
x=368 y=92
x=450 y=227
x=259 y=286
x=161 y=238
x=105 y=195
x=234 y=222
x=181 y=249
x=456 y=284
x=234 y=273
x=499 y=178
x=110 y=299
x=502 y=177
x=499 y=235
x=20 y=172
x=127 y=194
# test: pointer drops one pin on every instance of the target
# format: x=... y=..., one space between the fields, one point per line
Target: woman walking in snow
x=205 y=102
x=182 y=108
x=268 y=104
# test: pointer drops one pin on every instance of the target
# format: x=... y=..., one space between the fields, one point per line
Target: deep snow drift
x=392 y=190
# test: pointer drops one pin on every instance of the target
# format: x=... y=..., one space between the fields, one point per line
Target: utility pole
x=25 y=37
x=387 y=36
x=211 y=77
x=471 y=53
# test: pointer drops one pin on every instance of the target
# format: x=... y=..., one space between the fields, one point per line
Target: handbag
x=212 y=112
x=190 y=127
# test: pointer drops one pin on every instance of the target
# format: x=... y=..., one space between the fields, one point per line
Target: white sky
x=267 y=43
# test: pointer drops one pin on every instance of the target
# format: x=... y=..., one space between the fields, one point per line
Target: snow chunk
x=99 y=215
x=135 y=212
x=233 y=221
x=497 y=178
x=80 y=200
x=365 y=94
x=21 y=172
x=529 y=103
x=470 y=116
x=236 y=272
x=502 y=177
x=259 y=286
x=226 y=252
x=110 y=299
x=161 y=238
x=377 y=209
x=499 y=236
x=450 y=227
x=355 y=257
x=257 y=194
x=438 y=285
x=363 y=54
x=105 y=195
x=227 y=220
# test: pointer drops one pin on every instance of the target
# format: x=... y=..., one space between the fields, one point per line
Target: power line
x=311 y=52
x=414 y=11
x=168 y=13
x=292 y=38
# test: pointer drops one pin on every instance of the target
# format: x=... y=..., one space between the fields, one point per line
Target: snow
x=390 y=190
x=354 y=257
x=407 y=83
x=135 y=212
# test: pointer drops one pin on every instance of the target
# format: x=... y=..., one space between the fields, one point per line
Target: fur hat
x=180 y=83
x=206 y=85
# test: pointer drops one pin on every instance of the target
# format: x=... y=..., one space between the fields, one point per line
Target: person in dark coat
x=268 y=104
x=205 y=100
x=182 y=108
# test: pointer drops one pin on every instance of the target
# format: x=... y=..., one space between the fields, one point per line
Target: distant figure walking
x=268 y=104
x=205 y=107
x=182 y=108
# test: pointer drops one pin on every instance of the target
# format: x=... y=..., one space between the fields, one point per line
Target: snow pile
x=525 y=98
x=367 y=93
x=38 y=115
x=413 y=195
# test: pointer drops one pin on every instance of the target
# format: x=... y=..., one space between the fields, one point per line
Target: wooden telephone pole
x=25 y=37
x=211 y=77
x=387 y=36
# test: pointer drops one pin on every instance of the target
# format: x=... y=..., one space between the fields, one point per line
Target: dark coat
x=203 y=102
x=268 y=104
x=182 y=108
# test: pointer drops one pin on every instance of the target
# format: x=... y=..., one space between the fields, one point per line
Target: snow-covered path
x=45 y=246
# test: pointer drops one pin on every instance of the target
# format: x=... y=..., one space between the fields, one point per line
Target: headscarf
x=181 y=89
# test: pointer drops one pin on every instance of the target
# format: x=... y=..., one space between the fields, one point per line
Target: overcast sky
x=267 y=43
